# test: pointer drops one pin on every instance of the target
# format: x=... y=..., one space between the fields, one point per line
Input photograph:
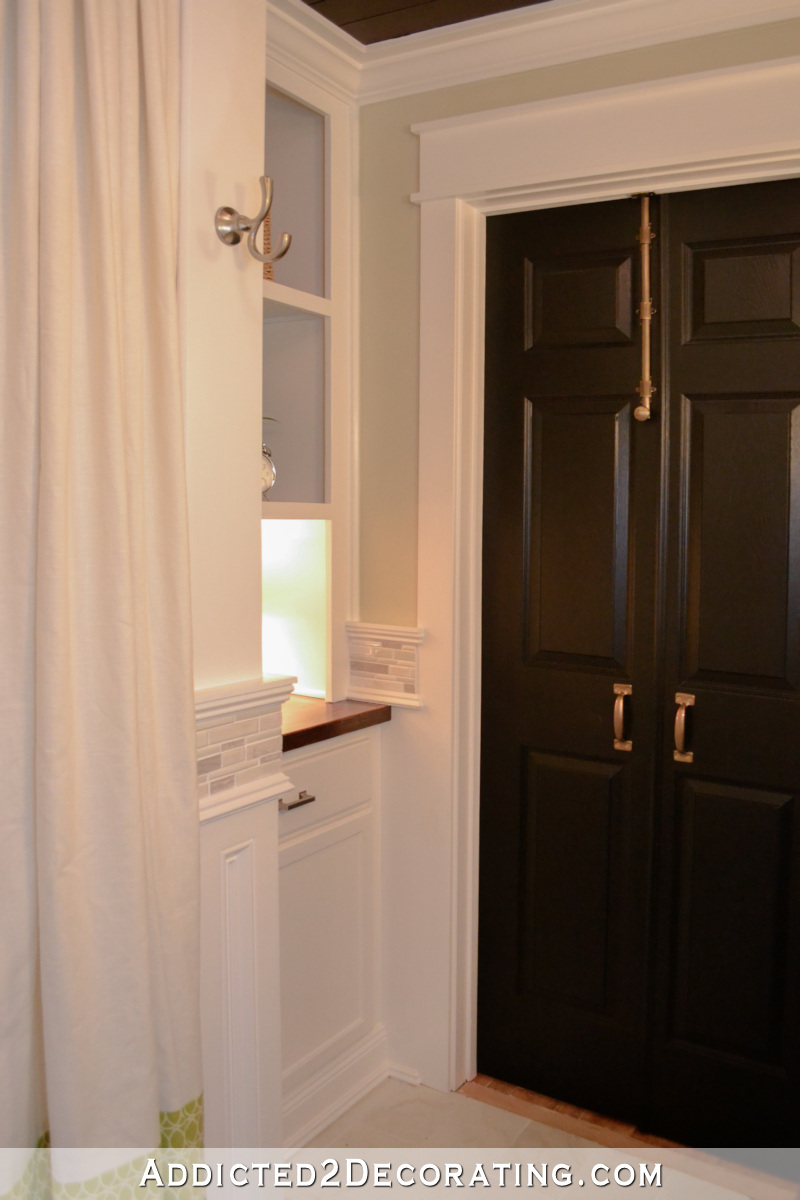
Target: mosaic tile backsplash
x=237 y=747
x=384 y=663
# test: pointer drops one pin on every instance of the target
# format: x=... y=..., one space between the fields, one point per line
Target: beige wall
x=390 y=278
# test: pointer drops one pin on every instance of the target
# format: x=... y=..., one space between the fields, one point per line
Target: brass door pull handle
x=683 y=700
x=621 y=690
x=645 y=390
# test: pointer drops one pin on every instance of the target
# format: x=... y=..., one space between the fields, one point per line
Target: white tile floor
x=399 y=1114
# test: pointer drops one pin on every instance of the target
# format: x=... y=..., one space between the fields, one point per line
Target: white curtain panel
x=99 y=905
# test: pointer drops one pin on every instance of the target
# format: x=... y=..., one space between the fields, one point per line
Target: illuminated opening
x=294 y=599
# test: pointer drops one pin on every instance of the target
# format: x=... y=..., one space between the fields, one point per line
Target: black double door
x=639 y=949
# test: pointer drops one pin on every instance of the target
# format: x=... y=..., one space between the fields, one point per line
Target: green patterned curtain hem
x=181 y=1130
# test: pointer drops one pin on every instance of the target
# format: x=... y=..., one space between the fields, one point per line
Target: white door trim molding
x=687 y=133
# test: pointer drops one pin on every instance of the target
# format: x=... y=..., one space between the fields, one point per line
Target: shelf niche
x=294 y=157
x=294 y=593
x=294 y=400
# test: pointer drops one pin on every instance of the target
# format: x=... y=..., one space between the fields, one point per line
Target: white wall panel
x=222 y=154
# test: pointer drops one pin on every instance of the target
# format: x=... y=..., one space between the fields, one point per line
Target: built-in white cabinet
x=307 y=343
x=333 y=1045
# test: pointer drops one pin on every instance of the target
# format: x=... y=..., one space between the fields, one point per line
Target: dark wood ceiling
x=378 y=20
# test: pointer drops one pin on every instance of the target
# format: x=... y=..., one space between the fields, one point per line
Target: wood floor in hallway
x=559 y=1115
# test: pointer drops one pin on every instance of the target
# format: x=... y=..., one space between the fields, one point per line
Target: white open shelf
x=297 y=510
x=282 y=302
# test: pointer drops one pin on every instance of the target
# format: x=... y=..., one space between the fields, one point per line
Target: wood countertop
x=306 y=720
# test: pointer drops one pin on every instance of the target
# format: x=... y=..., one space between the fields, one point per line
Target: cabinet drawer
x=339 y=776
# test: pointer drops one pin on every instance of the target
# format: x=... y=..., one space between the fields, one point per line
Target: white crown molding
x=537 y=36
x=314 y=48
x=544 y=35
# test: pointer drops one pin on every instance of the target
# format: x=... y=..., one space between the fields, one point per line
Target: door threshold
x=608 y=1132
x=559 y=1115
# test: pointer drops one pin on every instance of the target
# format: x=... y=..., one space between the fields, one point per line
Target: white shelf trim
x=400 y=632
x=283 y=301
x=236 y=697
x=272 y=787
x=396 y=699
x=295 y=510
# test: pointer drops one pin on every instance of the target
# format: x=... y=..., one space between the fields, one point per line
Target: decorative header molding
x=704 y=130
x=503 y=44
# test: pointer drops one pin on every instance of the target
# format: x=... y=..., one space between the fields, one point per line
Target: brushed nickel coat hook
x=230 y=225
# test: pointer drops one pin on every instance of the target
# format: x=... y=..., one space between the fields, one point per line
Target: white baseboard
x=335 y=1089
x=406 y=1074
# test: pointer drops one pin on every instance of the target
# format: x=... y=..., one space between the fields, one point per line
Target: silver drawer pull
x=621 y=690
x=303 y=798
x=683 y=700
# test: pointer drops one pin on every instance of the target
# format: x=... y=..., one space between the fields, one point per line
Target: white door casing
x=718 y=128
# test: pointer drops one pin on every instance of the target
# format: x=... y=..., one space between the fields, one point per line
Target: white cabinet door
x=325 y=881
x=334 y=1047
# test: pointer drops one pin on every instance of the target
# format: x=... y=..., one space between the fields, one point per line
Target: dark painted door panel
x=569 y=565
x=726 y=1005
x=640 y=920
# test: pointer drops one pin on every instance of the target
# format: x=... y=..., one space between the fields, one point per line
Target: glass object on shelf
x=268 y=472
x=294 y=589
x=294 y=397
x=294 y=156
